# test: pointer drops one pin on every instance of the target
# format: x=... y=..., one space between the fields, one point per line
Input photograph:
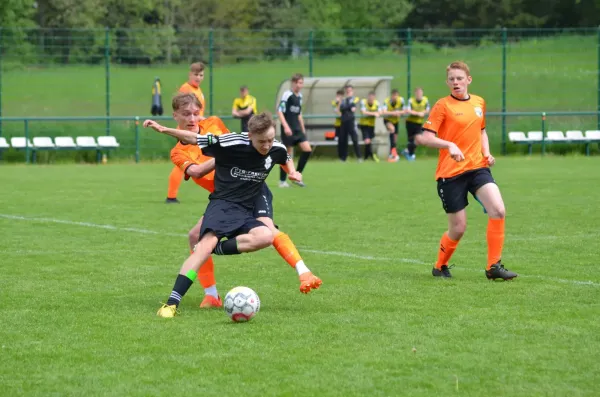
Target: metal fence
x=109 y=72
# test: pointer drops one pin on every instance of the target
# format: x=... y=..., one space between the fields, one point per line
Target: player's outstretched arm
x=182 y=135
x=200 y=170
x=428 y=138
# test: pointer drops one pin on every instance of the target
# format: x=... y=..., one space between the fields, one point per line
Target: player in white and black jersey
x=242 y=163
x=293 y=131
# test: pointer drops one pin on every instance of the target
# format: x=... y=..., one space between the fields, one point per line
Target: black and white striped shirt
x=240 y=170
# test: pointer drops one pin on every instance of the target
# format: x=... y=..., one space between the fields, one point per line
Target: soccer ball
x=241 y=304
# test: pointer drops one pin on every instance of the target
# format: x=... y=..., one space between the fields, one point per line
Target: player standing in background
x=369 y=108
x=347 y=108
x=417 y=109
x=292 y=127
x=458 y=120
x=392 y=111
x=339 y=94
x=244 y=107
x=195 y=78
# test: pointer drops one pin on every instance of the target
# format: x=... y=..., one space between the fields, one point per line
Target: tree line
x=147 y=31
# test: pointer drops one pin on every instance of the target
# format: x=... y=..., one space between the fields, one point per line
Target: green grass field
x=88 y=252
x=543 y=74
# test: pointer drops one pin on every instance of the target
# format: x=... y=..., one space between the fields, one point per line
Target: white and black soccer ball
x=241 y=304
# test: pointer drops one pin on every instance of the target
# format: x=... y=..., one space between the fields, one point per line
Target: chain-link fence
x=46 y=73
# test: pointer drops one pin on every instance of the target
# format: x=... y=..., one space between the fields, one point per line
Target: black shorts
x=337 y=131
x=392 y=123
x=454 y=191
x=294 y=139
x=263 y=205
x=413 y=129
x=368 y=131
x=228 y=219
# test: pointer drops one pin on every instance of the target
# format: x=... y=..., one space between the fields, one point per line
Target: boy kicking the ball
x=456 y=126
x=195 y=165
x=242 y=163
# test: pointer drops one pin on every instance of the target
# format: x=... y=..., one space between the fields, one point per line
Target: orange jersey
x=183 y=155
x=187 y=87
x=460 y=122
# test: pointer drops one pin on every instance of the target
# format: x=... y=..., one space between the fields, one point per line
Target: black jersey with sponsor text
x=291 y=107
x=240 y=170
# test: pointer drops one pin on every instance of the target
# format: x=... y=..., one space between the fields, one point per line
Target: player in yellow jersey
x=392 y=110
x=244 y=107
x=369 y=108
x=456 y=126
x=192 y=85
x=417 y=109
x=339 y=95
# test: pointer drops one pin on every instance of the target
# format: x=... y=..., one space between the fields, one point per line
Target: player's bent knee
x=457 y=228
x=263 y=237
x=498 y=212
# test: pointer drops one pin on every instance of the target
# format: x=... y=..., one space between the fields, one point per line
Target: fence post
x=1 y=56
x=543 y=133
x=26 y=126
x=310 y=53
x=504 y=44
x=137 y=139
x=107 y=75
x=210 y=68
x=408 y=61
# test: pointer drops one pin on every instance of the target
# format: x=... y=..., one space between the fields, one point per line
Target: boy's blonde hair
x=197 y=67
x=297 y=77
x=260 y=123
x=183 y=99
x=460 y=65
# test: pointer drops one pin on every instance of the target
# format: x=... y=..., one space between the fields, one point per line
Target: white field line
x=330 y=253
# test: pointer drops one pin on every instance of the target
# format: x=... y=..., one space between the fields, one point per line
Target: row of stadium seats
x=61 y=143
x=572 y=136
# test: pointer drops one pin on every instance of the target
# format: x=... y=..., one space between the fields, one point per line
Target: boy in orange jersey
x=195 y=78
x=458 y=120
x=200 y=168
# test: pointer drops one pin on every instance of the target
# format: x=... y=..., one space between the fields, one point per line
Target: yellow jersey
x=245 y=103
x=421 y=106
x=366 y=107
x=338 y=120
x=393 y=106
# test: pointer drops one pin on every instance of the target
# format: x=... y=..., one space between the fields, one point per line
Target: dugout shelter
x=317 y=94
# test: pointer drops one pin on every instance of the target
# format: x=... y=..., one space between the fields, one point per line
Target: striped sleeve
x=284 y=98
x=204 y=141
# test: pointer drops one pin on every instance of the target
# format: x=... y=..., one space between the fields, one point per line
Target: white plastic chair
x=517 y=136
x=555 y=136
x=108 y=142
x=535 y=135
x=3 y=143
x=574 y=135
x=593 y=135
x=86 y=142
x=18 y=142
x=43 y=142
x=65 y=142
